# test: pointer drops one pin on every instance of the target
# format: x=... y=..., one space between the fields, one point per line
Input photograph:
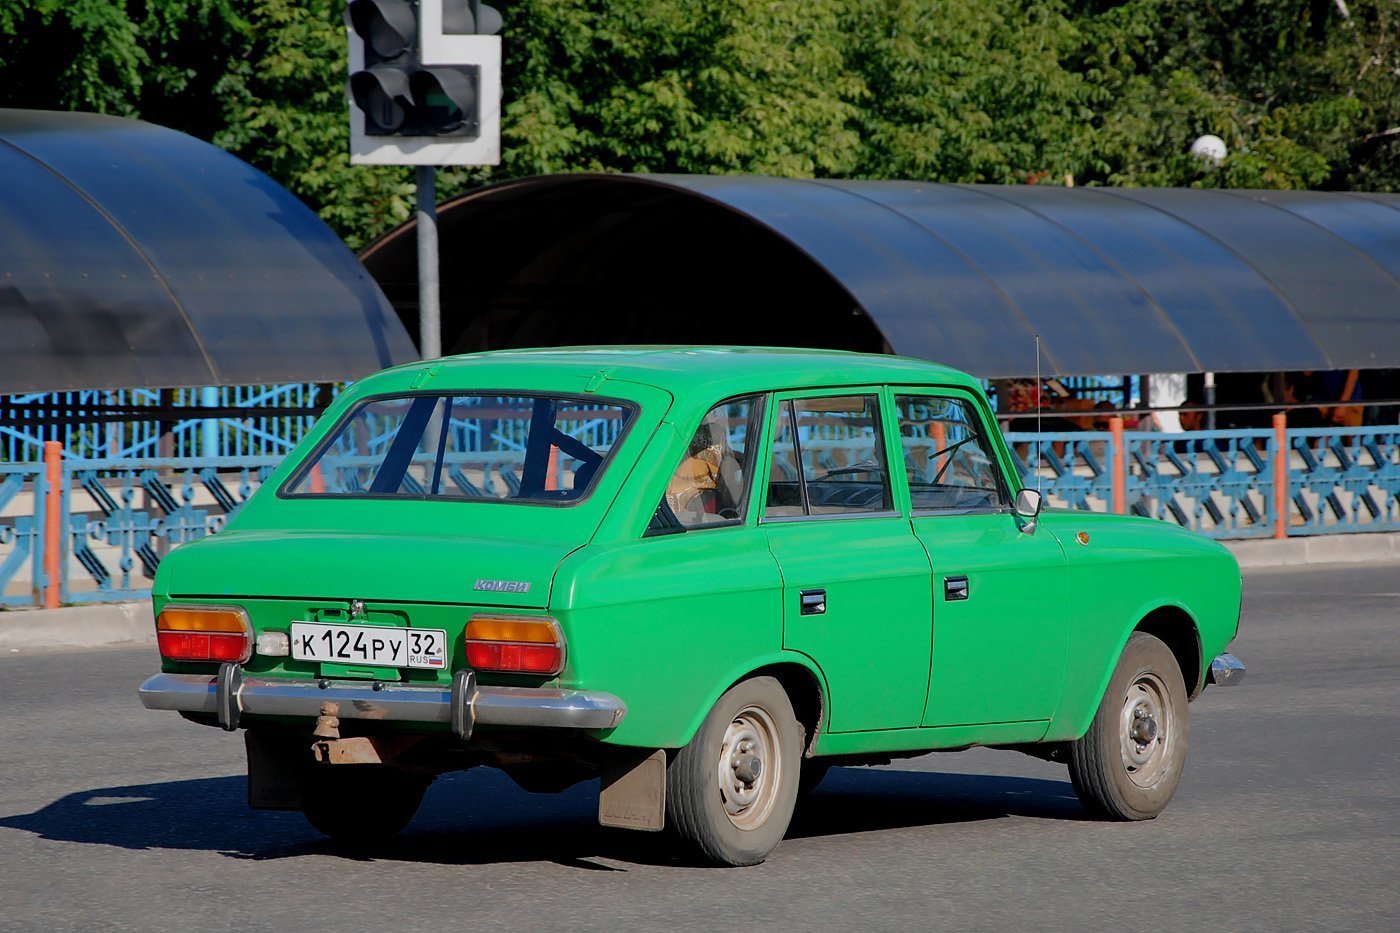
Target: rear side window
x=520 y=448
x=710 y=486
x=828 y=458
x=947 y=458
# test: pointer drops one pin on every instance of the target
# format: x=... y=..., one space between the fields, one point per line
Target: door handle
x=955 y=588
x=813 y=602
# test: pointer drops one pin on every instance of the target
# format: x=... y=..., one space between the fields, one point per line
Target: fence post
x=53 y=522
x=1281 y=475
x=1120 y=466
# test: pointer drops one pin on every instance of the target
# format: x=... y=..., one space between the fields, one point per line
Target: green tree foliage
x=1304 y=92
x=970 y=91
x=680 y=86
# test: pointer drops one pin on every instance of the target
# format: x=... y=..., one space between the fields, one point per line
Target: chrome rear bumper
x=1226 y=670
x=230 y=695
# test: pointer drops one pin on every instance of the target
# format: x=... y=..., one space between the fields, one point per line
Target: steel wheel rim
x=1145 y=731
x=749 y=768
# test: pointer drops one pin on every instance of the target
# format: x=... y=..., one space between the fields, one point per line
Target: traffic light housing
x=425 y=82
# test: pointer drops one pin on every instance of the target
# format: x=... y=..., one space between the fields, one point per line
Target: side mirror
x=1028 y=505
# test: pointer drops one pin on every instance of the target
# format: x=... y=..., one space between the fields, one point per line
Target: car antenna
x=1039 y=406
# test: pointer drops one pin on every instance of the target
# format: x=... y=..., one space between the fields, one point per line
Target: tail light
x=515 y=644
x=204 y=633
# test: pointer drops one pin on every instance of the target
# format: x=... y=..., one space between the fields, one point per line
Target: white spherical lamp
x=1210 y=149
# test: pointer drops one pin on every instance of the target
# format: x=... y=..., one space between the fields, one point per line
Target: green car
x=704 y=575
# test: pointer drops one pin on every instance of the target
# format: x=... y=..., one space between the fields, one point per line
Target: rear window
x=523 y=448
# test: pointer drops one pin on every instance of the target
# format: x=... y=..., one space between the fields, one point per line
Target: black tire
x=740 y=819
x=360 y=804
x=1127 y=766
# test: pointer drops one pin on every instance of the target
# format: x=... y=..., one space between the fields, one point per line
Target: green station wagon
x=705 y=575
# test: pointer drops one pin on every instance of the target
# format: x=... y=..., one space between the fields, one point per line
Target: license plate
x=375 y=645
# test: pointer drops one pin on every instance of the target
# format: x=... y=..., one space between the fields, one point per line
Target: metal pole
x=209 y=428
x=1120 y=467
x=53 y=524
x=1210 y=401
x=429 y=313
x=1281 y=490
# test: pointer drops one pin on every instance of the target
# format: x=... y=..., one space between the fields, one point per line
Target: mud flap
x=277 y=764
x=633 y=792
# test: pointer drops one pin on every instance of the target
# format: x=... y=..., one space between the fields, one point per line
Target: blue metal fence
x=22 y=492
x=74 y=420
x=119 y=516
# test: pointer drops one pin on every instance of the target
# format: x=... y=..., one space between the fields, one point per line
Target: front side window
x=710 y=486
x=828 y=458
x=947 y=458
x=493 y=447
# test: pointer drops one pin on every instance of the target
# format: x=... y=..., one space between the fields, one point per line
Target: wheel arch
x=805 y=692
x=800 y=679
x=1175 y=627
x=1166 y=620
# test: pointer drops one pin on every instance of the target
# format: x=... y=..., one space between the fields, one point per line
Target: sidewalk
x=101 y=625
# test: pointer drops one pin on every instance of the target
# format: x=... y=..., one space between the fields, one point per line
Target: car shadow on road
x=482 y=817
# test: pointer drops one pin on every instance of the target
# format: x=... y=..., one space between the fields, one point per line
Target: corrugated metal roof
x=132 y=255
x=1113 y=280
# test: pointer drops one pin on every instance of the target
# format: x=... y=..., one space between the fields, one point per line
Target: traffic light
x=424 y=82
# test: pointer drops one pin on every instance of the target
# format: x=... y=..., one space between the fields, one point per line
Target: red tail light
x=204 y=633
x=515 y=644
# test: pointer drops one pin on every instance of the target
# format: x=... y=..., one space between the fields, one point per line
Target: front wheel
x=1127 y=766
x=361 y=804
x=730 y=793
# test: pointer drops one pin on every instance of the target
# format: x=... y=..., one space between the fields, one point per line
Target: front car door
x=1000 y=617
x=856 y=584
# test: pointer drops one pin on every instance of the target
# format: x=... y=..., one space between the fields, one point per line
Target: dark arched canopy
x=132 y=255
x=1114 y=280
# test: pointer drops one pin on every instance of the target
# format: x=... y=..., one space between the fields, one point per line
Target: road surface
x=112 y=817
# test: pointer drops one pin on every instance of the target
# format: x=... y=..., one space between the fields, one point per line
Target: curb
x=102 y=625
x=95 y=626
x=1321 y=549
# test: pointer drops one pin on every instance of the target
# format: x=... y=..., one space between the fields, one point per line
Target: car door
x=1000 y=613
x=856 y=583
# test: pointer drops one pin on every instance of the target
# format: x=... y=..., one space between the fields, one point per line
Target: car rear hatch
x=333 y=593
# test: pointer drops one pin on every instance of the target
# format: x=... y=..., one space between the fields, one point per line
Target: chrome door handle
x=955 y=588
x=813 y=602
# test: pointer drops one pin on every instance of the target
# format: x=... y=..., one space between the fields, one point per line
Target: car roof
x=690 y=372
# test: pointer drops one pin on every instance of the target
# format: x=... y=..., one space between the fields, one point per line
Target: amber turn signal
x=204 y=633
x=515 y=644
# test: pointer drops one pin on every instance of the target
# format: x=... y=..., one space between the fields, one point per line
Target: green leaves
x=670 y=86
x=958 y=90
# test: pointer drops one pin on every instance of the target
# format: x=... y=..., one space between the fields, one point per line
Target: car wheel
x=1127 y=766
x=361 y=804
x=730 y=793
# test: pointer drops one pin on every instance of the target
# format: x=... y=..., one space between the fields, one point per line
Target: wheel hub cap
x=748 y=768
x=1145 y=733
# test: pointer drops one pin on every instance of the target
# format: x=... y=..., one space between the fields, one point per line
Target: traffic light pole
x=429 y=311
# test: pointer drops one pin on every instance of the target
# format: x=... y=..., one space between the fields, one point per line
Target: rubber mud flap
x=633 y=790
x=277 y=764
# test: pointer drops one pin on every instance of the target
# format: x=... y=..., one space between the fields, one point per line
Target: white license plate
x=375 y=645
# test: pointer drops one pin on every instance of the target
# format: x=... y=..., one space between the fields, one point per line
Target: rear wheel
x=730 y=793
x=1127 y=766
x=361 y=804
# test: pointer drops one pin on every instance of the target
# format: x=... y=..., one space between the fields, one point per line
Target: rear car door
x=856 y=583
x=1000 y=613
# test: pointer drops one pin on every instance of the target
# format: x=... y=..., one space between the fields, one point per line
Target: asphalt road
x=112 y=817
